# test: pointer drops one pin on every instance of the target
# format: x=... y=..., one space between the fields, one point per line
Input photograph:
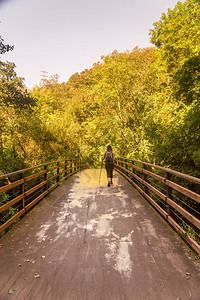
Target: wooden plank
x=36 y=200
x=156 y=205
x=181 y=210
x=131 y=165
x=32 y=168
x=146 y=196
x=183 y=190
x=12 y=220
x=147 y=172
x=10 y=203
x=53 y=187
x=176 y=173
x=46 y=192
x=30 y=191
x=39 y=197
x=11 y=185
x=184 y=235
x=35 y=188
x=175 y=186
x=49 y=189
x=41 y=184
x=184 y=213
x=157 y=192
x=28 y=178
x=158 y=177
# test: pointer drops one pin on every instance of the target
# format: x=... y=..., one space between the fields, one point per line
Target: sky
x=68 y=36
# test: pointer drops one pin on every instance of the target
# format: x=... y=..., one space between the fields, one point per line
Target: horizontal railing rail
x=21 y=190
x=176 y=196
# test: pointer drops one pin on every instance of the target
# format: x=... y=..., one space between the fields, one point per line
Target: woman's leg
x=112 y=173
x=109 y=172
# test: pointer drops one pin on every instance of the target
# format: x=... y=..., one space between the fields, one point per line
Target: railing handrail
x=35 y=167
x=27 y=190
x=174 y=199
x=182 y=175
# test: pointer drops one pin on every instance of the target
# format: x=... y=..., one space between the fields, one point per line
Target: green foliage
x=12 y=91
x=177 y=36
x=144 y=102
x=4 y=198
x=14 y=102
x=7 y=215
x=4 y=48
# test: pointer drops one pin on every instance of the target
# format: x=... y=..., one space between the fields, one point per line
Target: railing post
x=122 y=165
x=116 y=160
x=169 y=193
x=45 y=177
x=133 y=170
x=126 y=166
x=70 y=167
x=58 y=170
x=146 y=189
x=65 y=168
x=79 y=164
x=22 y=190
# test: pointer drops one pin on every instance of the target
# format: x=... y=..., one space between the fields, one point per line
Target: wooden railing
x=22 y=189
x=176 y=196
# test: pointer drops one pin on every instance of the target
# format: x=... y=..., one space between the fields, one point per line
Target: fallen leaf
x=187 y=277
x=37 y=275
x=188 y=274
x=27 y=260
x=11 y=291
x=33 y=262
x=43 y=257
x=19 y=265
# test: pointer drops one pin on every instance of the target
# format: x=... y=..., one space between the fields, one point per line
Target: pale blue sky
x=67 y=36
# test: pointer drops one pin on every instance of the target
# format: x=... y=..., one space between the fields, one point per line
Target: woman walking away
x=109 y=163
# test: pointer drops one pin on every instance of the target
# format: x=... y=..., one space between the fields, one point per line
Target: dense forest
x=144 y=102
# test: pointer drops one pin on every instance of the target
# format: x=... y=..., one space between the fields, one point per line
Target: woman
x=109 y=163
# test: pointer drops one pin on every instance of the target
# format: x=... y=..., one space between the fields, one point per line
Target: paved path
x=85 y=242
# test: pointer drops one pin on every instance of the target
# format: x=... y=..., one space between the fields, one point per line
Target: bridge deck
x=96 y=243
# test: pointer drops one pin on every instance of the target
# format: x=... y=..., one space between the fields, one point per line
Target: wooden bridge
x=87 y=241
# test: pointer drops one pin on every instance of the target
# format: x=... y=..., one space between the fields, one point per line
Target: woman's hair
x=109 y=148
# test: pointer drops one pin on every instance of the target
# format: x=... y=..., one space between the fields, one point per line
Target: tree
x=4 y=48
x=13 y=101
x=177 y=37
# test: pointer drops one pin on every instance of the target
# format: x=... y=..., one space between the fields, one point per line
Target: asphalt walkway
x=91 y=242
